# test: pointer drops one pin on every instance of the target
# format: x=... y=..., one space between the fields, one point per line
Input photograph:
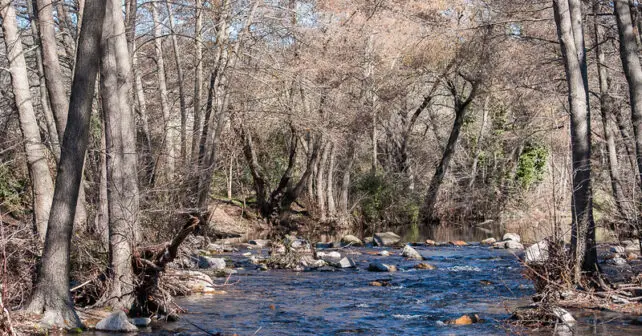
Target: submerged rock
x=411 y=253
x=211 y=263
x=140 y=322
x=424 y=266
x=384 y=253
x=351 y=240
x=116 y=322
x=512 y=236
x=489 y=241
x=380 y=267
x=537 y=253
x=386 y=238
x=430 y=242
x=465 y=319
x=332 y=254
x=616 y=261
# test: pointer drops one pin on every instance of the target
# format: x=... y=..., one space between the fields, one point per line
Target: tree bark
x=345 y=183
x=198 y=79
x=141 y=102
x=181 y=90
x=52 y=295
x=480 y=138
x=120 y=136
x=54 y=140
x=571 y=37
x=51 y=64
x=65 y=28
x=633 y=73
x=607 y=108
x=101 y=221
x=168 y=117
x=321 y=187
x=42 y=185
x=332 y=208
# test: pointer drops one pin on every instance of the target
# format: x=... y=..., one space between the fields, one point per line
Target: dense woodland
x=118 y=120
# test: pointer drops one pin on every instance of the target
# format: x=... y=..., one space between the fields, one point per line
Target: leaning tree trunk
x=52 y=295
x=41 y=181
x=122 y=191
x=332 y=208
x=633 y=73
x=435 y=184
x=570 y=33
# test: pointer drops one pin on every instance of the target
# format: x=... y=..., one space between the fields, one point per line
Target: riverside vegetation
x=140 y=138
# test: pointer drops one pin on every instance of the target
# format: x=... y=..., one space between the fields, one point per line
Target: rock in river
x=380 y=267
x=465 y=319
x=514 y=245
x=512 y=236
x=211 y=263
x=260 y=242
x=351 y=240
x=424 y=266
x=386 y=238
x=411 y=253
x=116 y=322
x=489 y=241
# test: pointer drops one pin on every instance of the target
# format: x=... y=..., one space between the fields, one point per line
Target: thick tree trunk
x=51 y=64
x=52 y=295
x=168 y=117
x=42 y=184
x=181 y=90
x=198 y=79
x=332 y=208
x=120 y=136
x=101 y=221
x=633 y=73
x=607 y=108
x=570 y=33
x=54 y=140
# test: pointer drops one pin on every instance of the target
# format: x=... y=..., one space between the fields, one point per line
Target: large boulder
x=537 y=253
x=117 y=322
x=351 y=240
x=205 y=262
x=411 y=253
x=386 y=238
x=380 y=267
x=512 y=236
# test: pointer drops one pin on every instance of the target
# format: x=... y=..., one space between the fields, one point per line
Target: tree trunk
x=345 y=183
x=480 y=138
x=52 y=295
x=198 y=80
x=607 y=108
x=181 y=90
x=570 y=33
x=54 y=140
x=332 y=208
x=141 y=102
x=65 y=29
x=633 y=73
x=42 y=185
x=321 y=187
x=51 y=64
x=101 y=221
x=168 y=117
x=120 y=140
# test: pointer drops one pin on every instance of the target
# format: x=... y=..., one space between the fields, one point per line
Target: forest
x=134 y=131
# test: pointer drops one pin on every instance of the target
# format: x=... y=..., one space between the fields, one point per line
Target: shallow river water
x=471 y=279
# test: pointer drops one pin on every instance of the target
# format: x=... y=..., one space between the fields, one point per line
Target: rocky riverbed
x=280 y=288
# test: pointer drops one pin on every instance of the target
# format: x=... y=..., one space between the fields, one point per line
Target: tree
x=568 y=19
x=42 y=185
x=120 y=140
x=51 y=295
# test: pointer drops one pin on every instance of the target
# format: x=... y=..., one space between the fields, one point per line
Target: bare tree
x=568 y=18
x=52 y=295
